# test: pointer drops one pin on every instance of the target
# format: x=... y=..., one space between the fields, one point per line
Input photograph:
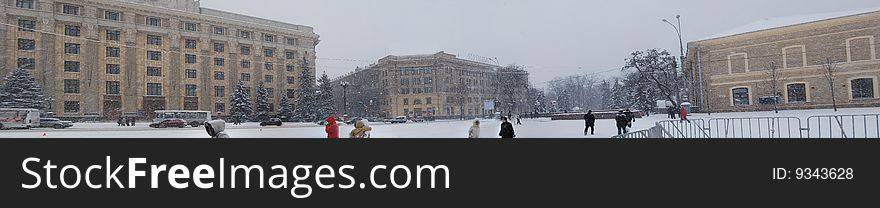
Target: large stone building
x=731 y=71
x=437 y=85
x=110 y=57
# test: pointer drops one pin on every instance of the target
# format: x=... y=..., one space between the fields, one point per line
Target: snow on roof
x=772 y=23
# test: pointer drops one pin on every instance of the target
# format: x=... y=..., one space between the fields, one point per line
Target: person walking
x=133 y=119
x=684 y=114
x=119 y=121
x=630 y=116
x=332 y=128
x=590 y=122
x=518 y=122
x=216 y=129
x=474 y=132
x=506 y=129
x=622 y=122
x=360 y=130
x=671 y=111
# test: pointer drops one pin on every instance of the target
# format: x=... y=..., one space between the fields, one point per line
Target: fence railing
x=653 y=132
x=761 y=127
x=844 y=126
x=827 y=126
x=695 y=128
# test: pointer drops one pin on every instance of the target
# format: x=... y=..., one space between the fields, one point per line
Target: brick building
x=731 y=71
x=112 y=57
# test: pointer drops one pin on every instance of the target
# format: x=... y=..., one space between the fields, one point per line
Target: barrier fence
x=844 y=126
x=828 y=126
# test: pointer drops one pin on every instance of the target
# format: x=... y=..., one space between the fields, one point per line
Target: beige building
x=731 y=71
x=113 y=57
x=436 y=85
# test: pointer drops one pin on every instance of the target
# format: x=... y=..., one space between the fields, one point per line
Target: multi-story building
x=437 y=85
x=112 y=57
x=733 y=71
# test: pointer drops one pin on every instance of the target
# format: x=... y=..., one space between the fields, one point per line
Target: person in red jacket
x=332 y=129
x=684 y=114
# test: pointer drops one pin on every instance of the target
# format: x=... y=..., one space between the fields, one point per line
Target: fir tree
x=262 y=107
x=241 y=102
x=305 y=101
x=21 y=90
x=285 y=109
x=324 y=102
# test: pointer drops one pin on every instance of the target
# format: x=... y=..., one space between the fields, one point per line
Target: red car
x=179 y=123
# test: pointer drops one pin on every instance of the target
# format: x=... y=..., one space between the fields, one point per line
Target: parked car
x=55 y=123
x=272 y=122
x=174 y=122
x=353 y=121
x=418 y=120
x=399 y=119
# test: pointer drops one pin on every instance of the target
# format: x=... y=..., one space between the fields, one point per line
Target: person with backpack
x=506 y=129
x=622 y=122
x=590 y=122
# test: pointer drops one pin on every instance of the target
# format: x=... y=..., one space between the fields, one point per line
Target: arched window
x=797 y=93
x=740 y=96
x=862 y=88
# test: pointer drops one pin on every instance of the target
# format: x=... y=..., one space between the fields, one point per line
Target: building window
x=270 y=92
x=27 y=44
x=154 y=71
x=269 y=52
x=269 y=66
x=245 y=50
x=190 y=43
x=113 y=35
x=417 y=102
x=191 y=90
x=190 y=73
x=219 y=47
x=245 y=77
x=269 y=38
x=112 y=69
x=429 y=100
x=797 y=93
x=291 y=93
x=71 y=66
x=190 y=58
x=219 y=62
x=71 y=106
x=154 y=89
x=738 y=63
x=291 y=41
x=406 y=101
x=154 y=21
x=219 y=91
x=268 y=78
x=71 y=86
x=741 y=96
x=71 y=48
x=860 y=48
x=245 y=64
x=24 y=4
x=290 y=67
x=291 y=80
x=289 y=55
x=112 y=87
x=862 y=88
x=189 y=26
x=154 y=55
x=71 y=30
x=26 y=63
x=245 y=34
x=26 y=25
x=154 y=40
x=113 y=52
x=70 y=9
x=218 y=75
x=111 y=15
x=219 y=107
x=219 y=31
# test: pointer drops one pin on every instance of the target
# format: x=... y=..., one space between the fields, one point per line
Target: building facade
x=434 y=86
x=734 y=71
x=112 y=57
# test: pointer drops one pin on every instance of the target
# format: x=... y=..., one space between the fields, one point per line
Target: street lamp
x=344 y=98
x=681 y=50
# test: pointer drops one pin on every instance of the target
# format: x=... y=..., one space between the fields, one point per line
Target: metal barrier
x=653 y=132
x=844 y=126
x=762 y=127
x=694 y=128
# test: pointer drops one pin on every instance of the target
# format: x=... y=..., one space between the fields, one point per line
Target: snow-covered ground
x=531 y=128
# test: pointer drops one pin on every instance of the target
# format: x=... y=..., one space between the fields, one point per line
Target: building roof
x=779 y=22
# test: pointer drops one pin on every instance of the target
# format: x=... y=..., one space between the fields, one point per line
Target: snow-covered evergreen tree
x=305 y=100
x=261 y=112
x=285 y=109
x=324 y=103
x=241 y=102
x=21 y=90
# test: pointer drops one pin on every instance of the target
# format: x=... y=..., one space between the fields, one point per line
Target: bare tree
x=829 y=69
x=658 y=68
x=775 y=79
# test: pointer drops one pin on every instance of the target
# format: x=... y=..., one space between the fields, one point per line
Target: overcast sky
x=552 y=37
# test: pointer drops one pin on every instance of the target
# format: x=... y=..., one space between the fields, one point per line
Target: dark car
x=399 y=119
x=54 y=123
x=176 y=122
x=271 y=122
x=354 y=120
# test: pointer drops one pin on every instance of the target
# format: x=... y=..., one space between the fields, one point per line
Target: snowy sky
x=552 y=37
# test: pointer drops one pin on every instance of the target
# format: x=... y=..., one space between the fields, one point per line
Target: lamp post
x=681 y=51
x=344 y=98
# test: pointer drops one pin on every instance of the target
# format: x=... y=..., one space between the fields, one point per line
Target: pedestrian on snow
x=590 y=122
x=119 y=121
x=216 y=129
x=360 y=130
x=629 y=114
x=684 y=114
x=506 y=129
x=622 y=122
x=518 y=122
x=671 y=111
x=332 y=128
x=132 y=121
x=474 y=132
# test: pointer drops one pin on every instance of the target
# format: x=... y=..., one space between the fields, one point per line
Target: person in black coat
x=623 y=122
x=590 y=121
x=671 y=111
x=506 y=129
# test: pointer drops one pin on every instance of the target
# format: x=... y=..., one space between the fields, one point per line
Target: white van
x=19 y=118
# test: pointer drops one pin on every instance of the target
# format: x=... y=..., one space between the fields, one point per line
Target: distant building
x=437 y=85
x=730 y=70
x=115 y=57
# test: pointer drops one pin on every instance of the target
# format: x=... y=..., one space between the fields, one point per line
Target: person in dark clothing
x=119 y=121
x=629 y=114
x=590 y=121
x=132 y=121
x=670 y=111
x=506 y=129
x=622 y=122
x=518 y=122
